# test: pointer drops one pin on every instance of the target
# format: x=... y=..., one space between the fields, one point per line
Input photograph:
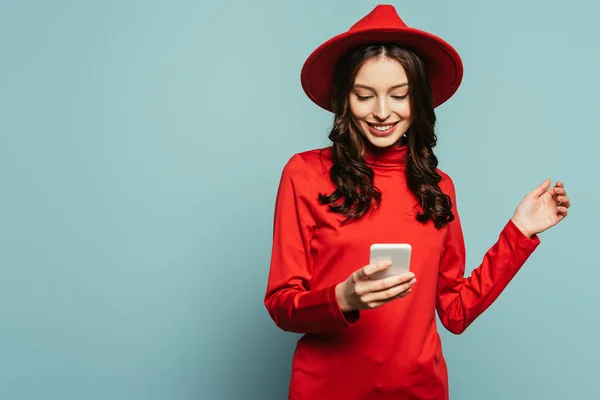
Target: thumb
x=541 y=189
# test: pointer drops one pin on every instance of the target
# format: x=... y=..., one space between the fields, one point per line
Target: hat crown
x=382 y=16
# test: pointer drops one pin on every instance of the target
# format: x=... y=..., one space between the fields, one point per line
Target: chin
x=382 y=142
x=390 y=140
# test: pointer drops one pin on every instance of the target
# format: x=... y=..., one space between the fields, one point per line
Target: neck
x=387 y=157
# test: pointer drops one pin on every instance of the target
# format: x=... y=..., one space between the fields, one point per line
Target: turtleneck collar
x=389 y=157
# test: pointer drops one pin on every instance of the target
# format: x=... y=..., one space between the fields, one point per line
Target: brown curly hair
x=355 y=193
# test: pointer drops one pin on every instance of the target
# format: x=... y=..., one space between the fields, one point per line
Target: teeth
x=383 y=128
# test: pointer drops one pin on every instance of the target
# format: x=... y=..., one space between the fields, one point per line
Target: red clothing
x=392 y=352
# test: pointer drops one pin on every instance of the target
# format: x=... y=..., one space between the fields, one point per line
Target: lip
x=381 y=133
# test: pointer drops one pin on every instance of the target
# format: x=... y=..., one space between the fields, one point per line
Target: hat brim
x=442 y=61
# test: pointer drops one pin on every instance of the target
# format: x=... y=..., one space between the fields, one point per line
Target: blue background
x=141 y=144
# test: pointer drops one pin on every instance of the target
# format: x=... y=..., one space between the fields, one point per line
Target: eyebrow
x=358 y=85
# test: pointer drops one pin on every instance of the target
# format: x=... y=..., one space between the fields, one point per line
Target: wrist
x=522 y=228
x=341 y=300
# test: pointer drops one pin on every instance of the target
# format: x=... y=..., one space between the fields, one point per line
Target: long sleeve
x=461 y=300
x=289 y=299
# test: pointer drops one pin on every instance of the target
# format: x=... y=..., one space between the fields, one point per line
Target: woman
x=379 y=183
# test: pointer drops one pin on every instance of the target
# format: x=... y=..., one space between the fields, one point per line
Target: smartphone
x=397 y=253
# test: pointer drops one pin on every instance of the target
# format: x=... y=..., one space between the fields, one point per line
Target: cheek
x=359 y=110
x=403 y=110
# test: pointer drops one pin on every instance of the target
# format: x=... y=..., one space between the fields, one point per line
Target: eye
x=400 y=97
x=363 y=98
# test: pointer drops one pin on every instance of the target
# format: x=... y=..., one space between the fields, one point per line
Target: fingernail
x=414 y=280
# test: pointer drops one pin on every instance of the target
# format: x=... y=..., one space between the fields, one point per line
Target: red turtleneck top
x=392 y=352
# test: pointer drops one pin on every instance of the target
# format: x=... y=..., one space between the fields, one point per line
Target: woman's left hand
x=542 y=208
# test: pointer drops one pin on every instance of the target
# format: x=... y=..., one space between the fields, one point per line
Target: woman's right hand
x=359 y=292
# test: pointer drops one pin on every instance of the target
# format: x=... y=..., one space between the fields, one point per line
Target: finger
x=558 y=192
x=563 y=201
x=368 y=270
x=542 y=188
x=384 y=284
x=403 y=294
x=387 y=294
x=559 y=184
x=562 y=210
x=376 y=304
x=560 y=216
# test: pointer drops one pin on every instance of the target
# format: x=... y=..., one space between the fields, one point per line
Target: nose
x=382 y=111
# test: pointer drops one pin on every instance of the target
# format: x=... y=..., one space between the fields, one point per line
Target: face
x=379 y=101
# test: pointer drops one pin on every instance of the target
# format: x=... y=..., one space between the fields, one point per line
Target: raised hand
x=542 y=208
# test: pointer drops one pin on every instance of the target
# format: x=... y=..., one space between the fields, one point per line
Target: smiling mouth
x=382 y=128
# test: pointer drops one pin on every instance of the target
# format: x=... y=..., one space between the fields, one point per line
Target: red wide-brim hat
x=383 y=25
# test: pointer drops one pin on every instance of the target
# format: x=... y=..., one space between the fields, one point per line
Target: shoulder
x=316 y=157
x=308 y=162
x=446 y=184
